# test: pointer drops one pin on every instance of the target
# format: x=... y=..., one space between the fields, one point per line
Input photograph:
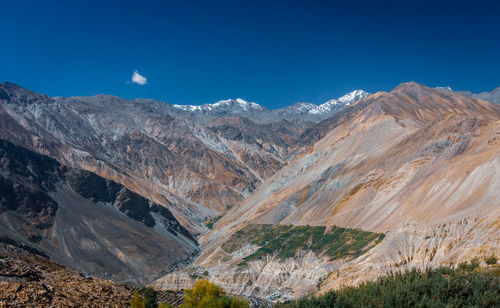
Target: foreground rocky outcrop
x=30 y=280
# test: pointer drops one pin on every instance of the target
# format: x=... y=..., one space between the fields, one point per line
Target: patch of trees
x=468 y=285
x=204 y=294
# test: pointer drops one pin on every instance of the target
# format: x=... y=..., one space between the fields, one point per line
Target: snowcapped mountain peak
x=345 y=100
x=226 y=105
x=238 y=106
x=237 y=102
x=447 y=88
x=353 y=96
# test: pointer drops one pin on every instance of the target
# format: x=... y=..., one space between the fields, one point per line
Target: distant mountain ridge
x=233 y=105
x=493 y=96
x=308 y=111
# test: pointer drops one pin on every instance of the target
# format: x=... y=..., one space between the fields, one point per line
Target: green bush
x=137 y=300
x=441 y=287
x=207 y=295
x=150 y=298
x=491 y=260
x=466 y=266
x=211 y=222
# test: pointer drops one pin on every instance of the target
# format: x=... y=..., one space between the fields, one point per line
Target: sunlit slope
x=418 y=164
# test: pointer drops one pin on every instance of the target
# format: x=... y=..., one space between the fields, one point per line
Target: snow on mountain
x=298 y=108
x=342 y=101
x=447 y=88
x=239 y=106
x=223 y=105
x=327 y=107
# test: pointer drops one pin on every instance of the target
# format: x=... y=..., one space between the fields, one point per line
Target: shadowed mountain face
x=87 y=222
x=418 y=164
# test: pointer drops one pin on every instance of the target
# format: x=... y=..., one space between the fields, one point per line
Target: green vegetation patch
x=464 y=286
x=211 y=222
x=285 y=241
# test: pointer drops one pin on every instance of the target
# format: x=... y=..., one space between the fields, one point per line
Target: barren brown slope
x=400 y=142
x=413 y=161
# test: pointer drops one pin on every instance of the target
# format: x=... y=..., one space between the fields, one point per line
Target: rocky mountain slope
x=31 y=280
x=94 y=225
x=195 y=165
x=162 y=167
x=417 y=164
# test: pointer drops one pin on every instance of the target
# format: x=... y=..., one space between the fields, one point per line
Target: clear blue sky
x=271 y=52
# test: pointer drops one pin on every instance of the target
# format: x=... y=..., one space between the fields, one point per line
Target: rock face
x=116 y=171
x=270 y=278
x=197 y=161
x=94 y=225
x=196 y=167
x=420 y=245
x=418 y=164
x=30 y=280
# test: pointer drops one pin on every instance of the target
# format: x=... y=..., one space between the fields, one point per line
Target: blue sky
x=272 y=52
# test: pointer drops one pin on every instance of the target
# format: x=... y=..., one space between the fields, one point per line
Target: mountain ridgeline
x=307 y=197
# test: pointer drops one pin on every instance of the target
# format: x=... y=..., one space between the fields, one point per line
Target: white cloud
x=139 y=79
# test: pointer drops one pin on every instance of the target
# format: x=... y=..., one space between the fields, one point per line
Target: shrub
x=137 y=301
x=465 y=266
x=491 y=260
x=207 y=295
x=150 y=298
x=211 y=222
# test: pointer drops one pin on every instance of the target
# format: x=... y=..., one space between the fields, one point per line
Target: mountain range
x=123 y=189
x=258 y=113
x=416 y=164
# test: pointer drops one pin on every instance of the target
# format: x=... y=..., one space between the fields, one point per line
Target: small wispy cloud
x=139 y=79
